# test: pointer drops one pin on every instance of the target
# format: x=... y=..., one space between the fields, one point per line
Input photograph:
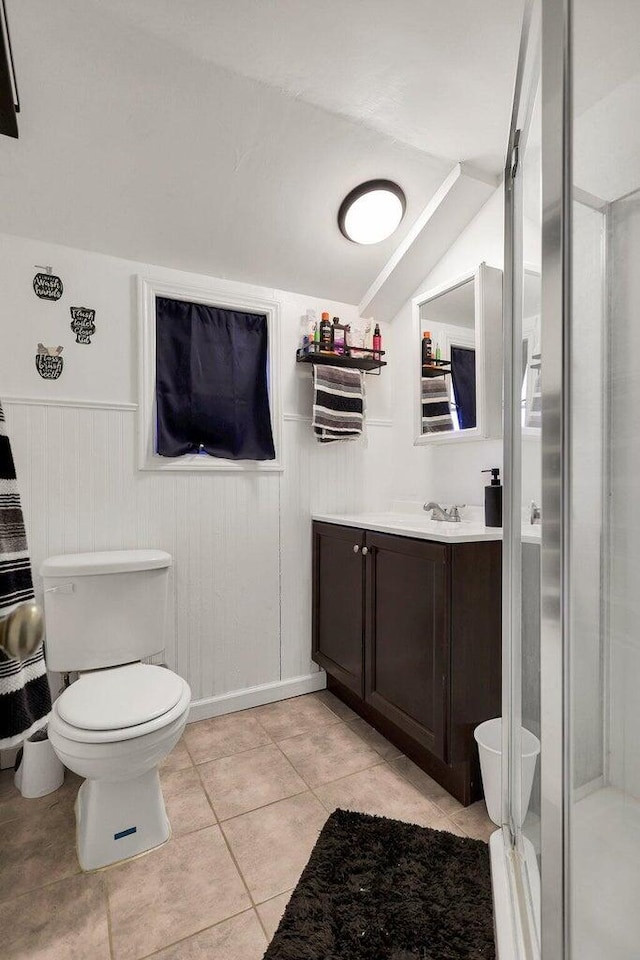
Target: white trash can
x=489 y=739
x=38 y=770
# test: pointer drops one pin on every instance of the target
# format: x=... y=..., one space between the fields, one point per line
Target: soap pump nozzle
x=495 y=476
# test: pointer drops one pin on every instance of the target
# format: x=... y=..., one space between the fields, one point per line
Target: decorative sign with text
x=83 y=324
x=49 y=363
x=46 y=285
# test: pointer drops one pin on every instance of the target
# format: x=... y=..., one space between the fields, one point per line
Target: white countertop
x=407 y=519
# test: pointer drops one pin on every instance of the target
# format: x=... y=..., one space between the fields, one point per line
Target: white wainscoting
x=240 y=622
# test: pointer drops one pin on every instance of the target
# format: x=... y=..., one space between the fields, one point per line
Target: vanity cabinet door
x=338 y=603
x=407 y=635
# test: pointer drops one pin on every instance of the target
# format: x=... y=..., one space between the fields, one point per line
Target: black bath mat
x=378 y=889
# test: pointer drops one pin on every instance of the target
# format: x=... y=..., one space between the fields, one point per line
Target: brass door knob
x=22 y=632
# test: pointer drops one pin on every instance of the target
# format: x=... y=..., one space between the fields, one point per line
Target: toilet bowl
x=114 y=727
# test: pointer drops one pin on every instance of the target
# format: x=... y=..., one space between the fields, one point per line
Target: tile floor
x=247 y=795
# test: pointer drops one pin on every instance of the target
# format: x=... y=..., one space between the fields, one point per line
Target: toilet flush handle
x=62 y=588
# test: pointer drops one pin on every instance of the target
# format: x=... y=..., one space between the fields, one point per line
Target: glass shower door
x=522 y=471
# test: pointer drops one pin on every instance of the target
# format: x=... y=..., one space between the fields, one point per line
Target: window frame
x=213 y=296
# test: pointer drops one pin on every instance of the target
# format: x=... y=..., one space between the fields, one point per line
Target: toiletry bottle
x=316 y=334
x=377 y=341
x=438 y=352
x=338 y=336
x=427 y=353
x=326 y=334
x=493 y=499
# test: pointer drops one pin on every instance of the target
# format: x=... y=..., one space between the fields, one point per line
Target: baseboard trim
x=588 y=788
x=256 y=696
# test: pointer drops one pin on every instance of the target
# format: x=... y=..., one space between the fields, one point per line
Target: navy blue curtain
x=211 y=382
x=463 y=375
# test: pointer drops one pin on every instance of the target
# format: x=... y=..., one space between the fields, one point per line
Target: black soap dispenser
x=493 y=499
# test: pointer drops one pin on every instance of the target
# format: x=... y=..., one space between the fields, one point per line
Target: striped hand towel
x=25 y=699
x=436 y=410
x=338 y=403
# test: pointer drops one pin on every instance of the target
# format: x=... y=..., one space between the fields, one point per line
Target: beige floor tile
x=14 y=805
x=183 y=887
x=386 y=749
x=288 y=718
x=187 y=806
x=427 y=786
x=224 y=736
x=249 y=780
x=272 y=845
x=383 y=792
x=240 y=938
x=178 y=759
x=475 y=822
x=271 y=912
x=336 y=705
x=63 y=921
x=37 y=849
x=329 y=753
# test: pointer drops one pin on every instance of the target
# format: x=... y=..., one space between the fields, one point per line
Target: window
x=209 y=397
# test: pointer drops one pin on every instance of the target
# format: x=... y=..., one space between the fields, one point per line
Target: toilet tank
x=104 y=609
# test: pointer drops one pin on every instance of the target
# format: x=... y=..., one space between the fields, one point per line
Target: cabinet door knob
x=365 y=551
x=356 y=548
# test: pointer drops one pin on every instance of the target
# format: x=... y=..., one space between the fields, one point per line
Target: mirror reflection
x=531 y=398
x=448 y=356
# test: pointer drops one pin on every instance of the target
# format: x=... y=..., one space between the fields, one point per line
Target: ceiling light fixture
x=372 y=211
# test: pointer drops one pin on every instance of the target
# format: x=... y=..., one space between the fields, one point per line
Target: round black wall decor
x=83 y=324
x=47 y=286
x=49 y=363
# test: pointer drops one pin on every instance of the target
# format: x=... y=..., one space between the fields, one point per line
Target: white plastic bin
x=489 y=739
x=38 y=770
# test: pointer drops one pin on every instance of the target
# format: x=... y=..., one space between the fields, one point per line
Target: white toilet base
x=118 y=819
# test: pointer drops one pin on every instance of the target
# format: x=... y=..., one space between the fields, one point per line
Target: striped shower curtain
x=25 y=698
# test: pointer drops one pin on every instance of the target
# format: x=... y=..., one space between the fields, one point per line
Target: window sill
x=196 y=463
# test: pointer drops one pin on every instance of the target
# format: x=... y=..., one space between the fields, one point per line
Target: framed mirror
x=458 y=360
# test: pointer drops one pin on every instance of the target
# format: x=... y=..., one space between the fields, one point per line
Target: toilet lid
x=120 y=697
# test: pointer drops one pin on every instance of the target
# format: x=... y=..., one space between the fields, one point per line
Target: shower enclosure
x=567 y=868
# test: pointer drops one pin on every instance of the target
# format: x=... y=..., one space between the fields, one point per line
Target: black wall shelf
x=370 y=364
x=436 y=368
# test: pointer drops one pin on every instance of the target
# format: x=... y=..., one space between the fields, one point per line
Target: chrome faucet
x=441 y=513
x=535 y=513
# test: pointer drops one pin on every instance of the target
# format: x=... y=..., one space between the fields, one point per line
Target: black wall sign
x=83 y=323
x=47 y=286
x=49 y=363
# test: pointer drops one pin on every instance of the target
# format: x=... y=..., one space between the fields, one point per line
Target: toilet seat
x=120 y=703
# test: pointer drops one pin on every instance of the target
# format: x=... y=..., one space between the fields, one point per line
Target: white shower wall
x=624 y=542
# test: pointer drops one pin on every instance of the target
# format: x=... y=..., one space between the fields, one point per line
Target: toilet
x=114 y=725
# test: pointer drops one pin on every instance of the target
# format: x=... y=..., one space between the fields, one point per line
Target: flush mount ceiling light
x=372 y=211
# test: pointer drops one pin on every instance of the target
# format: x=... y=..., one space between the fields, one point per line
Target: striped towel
x=436 y=410
x=338 y=403
x=25 y=699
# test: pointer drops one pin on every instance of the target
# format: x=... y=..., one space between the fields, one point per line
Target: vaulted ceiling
x=221 y=137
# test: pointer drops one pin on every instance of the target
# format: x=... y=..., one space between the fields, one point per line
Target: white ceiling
x=438 y=76
x=221 y=137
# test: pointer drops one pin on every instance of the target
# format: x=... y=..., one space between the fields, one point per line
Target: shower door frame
x=520 y=865
x=555 y=715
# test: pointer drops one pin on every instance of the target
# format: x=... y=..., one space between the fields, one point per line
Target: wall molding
x=373 y=422
x=256 y=696
x=67 y=402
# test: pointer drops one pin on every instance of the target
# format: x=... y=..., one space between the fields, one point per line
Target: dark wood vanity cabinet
x=409 y=632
